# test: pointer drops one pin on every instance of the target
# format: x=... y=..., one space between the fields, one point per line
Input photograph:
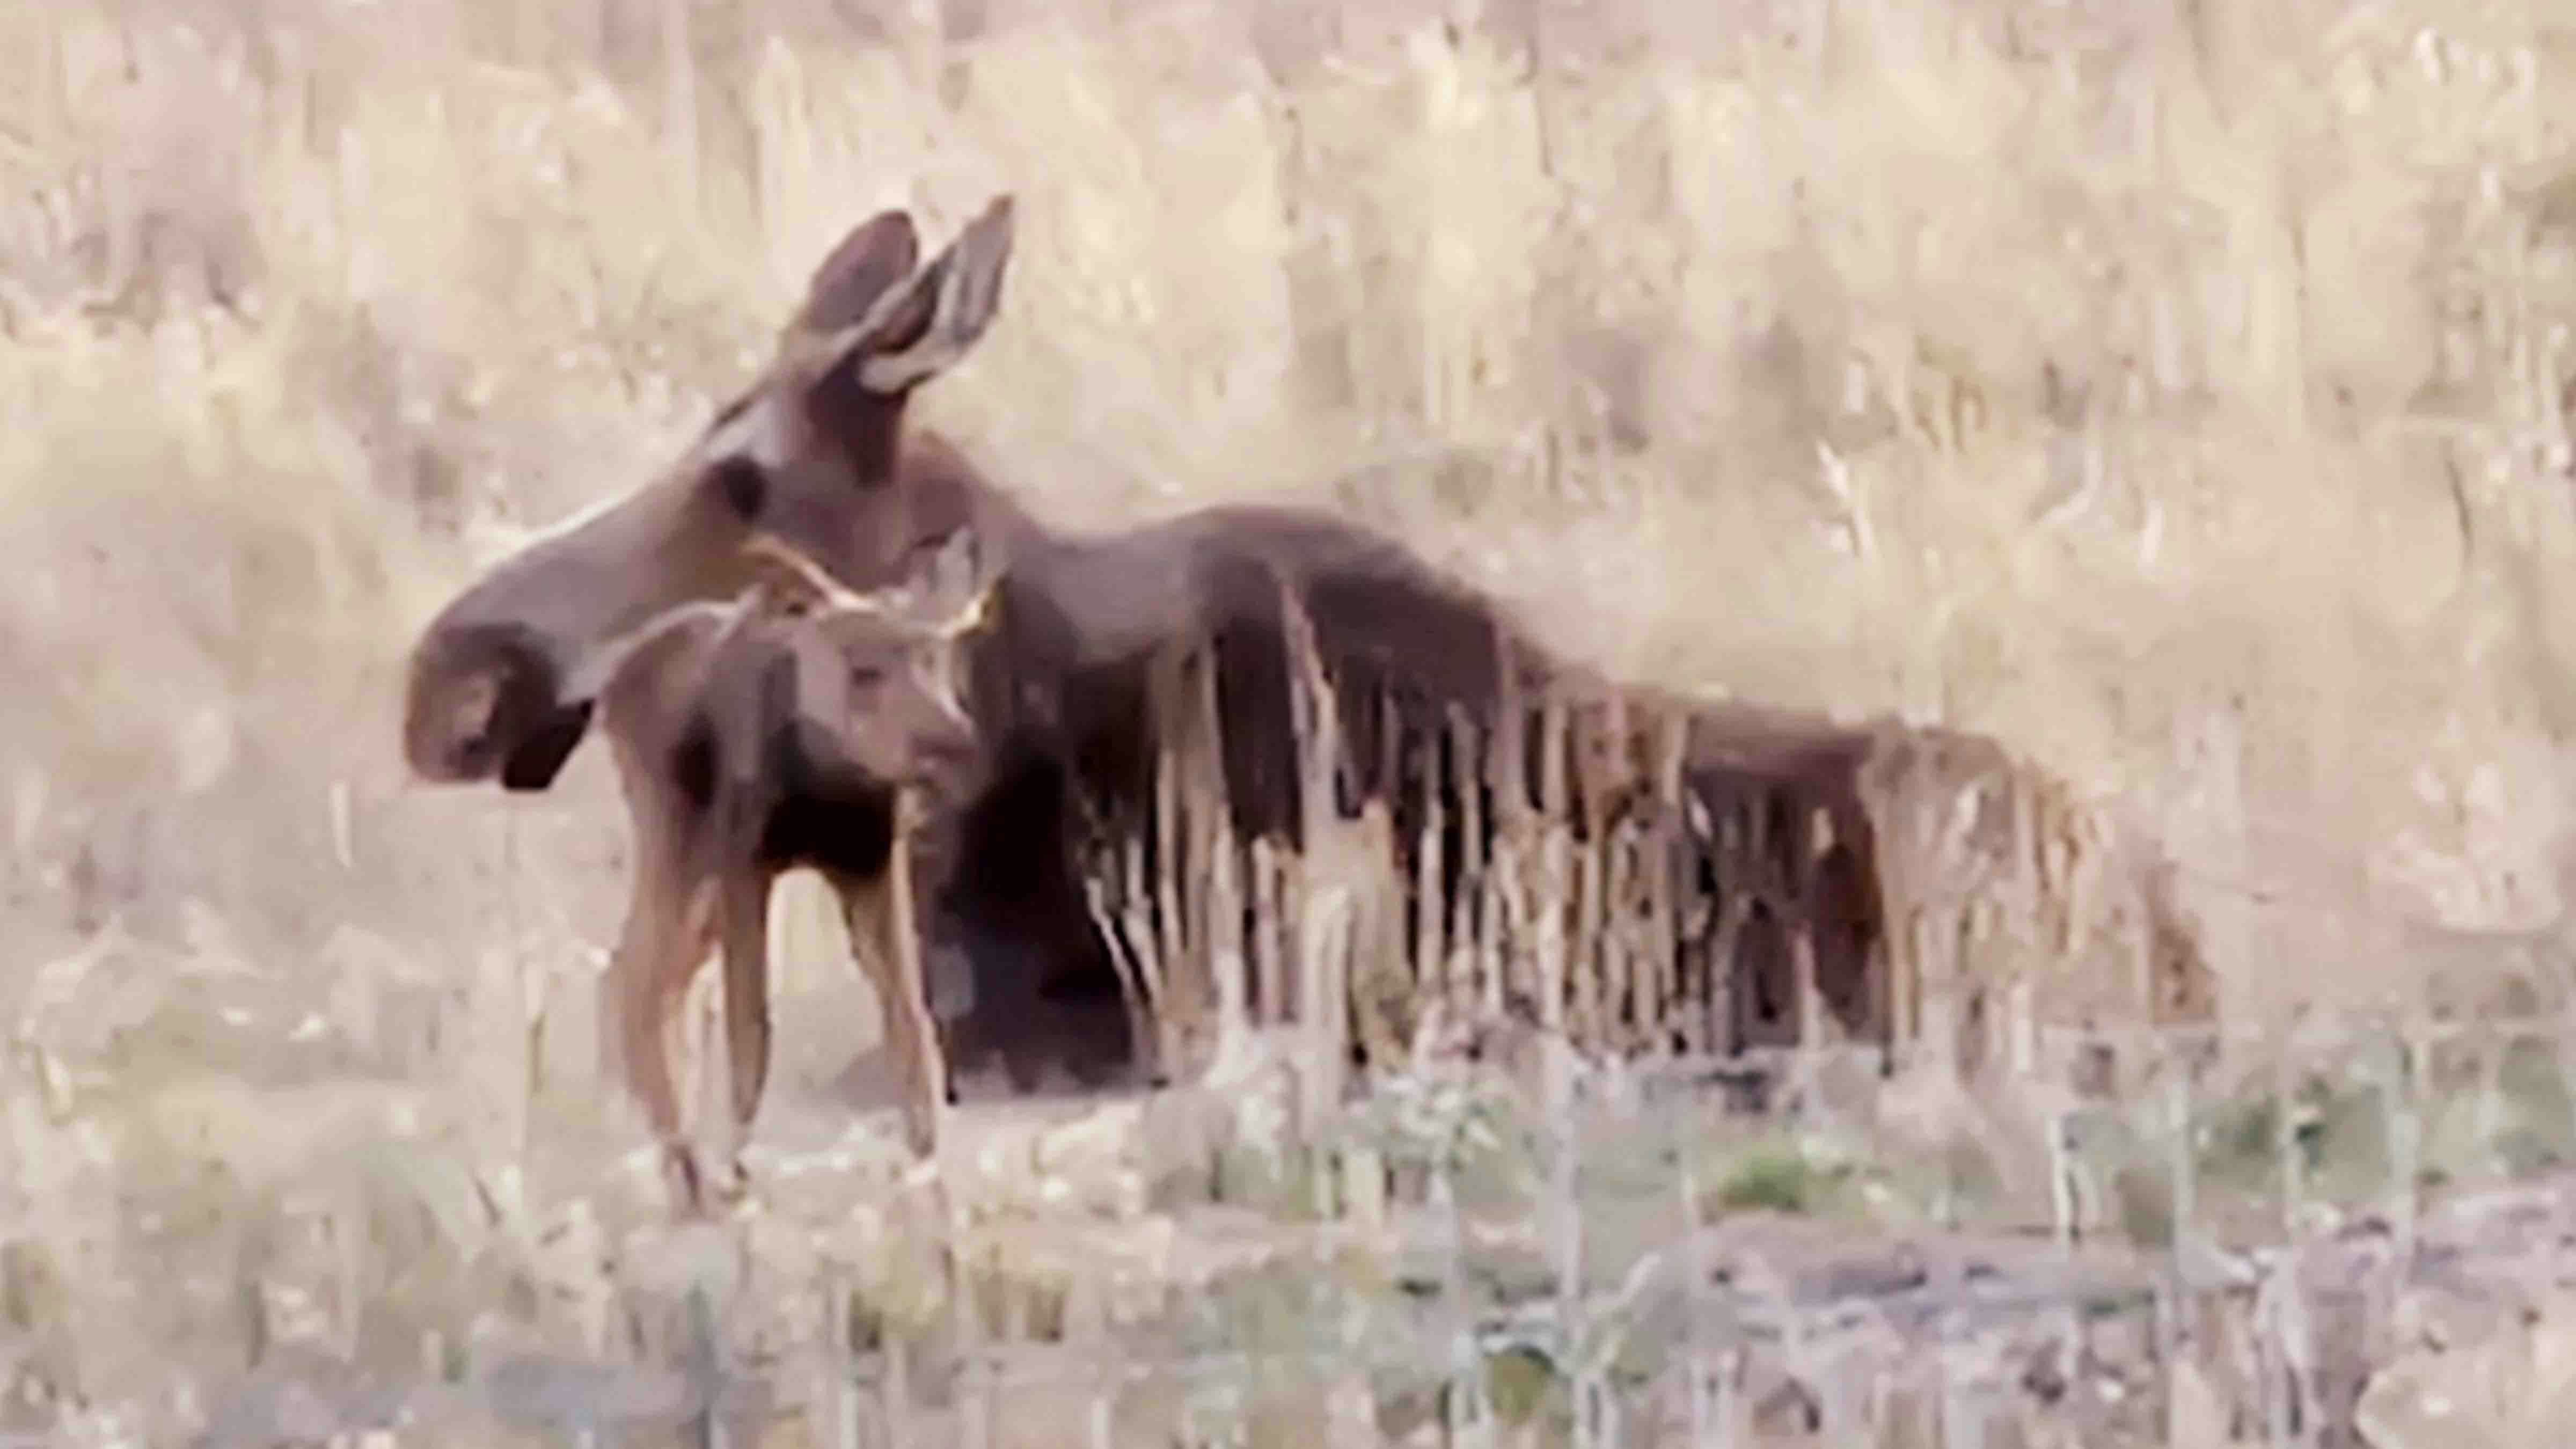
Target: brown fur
x=789 y=728
x=502 y=680
x=814 y=454
x=1756 y=840
x=1428 y=677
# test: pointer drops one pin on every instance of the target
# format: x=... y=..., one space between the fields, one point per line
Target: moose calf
x=798 y=724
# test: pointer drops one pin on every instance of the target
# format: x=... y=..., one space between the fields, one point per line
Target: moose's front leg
x=948 y=940
x=880 y=914
x=744 y=908
x=668 y=935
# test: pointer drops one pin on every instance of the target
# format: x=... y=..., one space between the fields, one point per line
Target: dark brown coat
x=815 y=455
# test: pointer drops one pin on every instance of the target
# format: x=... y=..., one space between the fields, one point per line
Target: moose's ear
x=956 y=569
x=877 y=254
x=974 y=613
x=923 y=325
x=939 y=576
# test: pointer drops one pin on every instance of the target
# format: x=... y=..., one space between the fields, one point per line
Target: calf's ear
x=952 y=589
x=971 y=615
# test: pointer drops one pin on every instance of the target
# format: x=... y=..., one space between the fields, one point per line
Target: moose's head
x=502 y=681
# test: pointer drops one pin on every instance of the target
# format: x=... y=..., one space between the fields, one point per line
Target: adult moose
x=800 y=726
x=1064 y=684
x=815 y=454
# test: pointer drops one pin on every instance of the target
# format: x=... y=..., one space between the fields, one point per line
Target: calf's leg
x=880 y=914
x=668 y=931
x=744 y=908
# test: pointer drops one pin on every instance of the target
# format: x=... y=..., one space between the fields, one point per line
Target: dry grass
x=2175 y=392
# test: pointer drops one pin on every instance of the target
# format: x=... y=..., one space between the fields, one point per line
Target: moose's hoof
x=730 y=1186
x=681 y=1178
x=921 y=1128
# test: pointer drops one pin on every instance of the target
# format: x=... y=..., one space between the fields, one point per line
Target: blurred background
x=2176 y=391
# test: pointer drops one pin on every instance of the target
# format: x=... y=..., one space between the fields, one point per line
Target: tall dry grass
x=2178 y=392
x=2129 y=384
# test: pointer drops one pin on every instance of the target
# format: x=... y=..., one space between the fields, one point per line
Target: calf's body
x=756 y=737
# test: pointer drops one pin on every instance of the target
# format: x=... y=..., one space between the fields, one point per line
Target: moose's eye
x=744 y=486
x=866 y=676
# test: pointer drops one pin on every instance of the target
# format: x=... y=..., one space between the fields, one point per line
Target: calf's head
x=876 y=677
x=502 y=680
